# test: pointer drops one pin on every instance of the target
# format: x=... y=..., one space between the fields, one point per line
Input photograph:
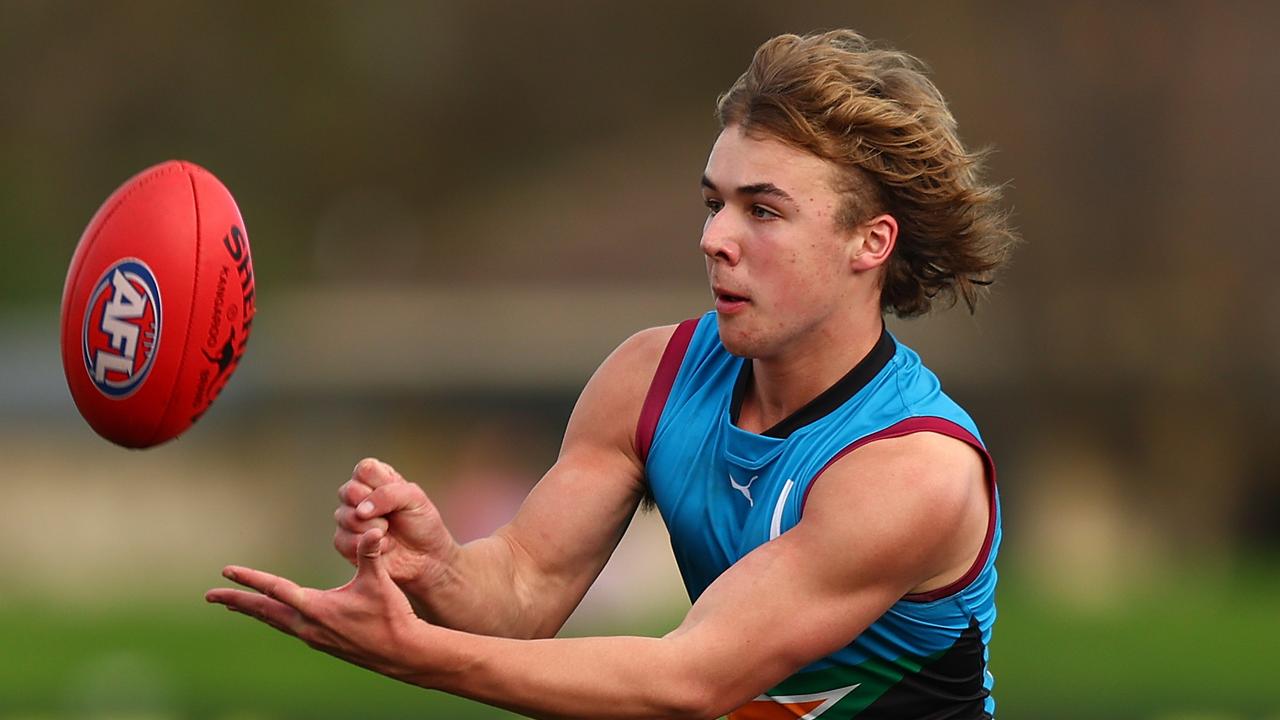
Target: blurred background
x=458 y=209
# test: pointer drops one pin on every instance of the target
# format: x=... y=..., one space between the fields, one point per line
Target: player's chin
x=738 y=337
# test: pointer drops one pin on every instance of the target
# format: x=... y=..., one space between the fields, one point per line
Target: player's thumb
x=369 y=554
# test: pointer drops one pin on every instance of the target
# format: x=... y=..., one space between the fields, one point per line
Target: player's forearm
x=489 y=589
x=465 y=593
x=599 y=677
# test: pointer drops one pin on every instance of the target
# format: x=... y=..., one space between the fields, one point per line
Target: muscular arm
x=526 y=579
x=893 y=517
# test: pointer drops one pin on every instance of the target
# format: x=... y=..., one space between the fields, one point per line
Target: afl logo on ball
x=122 y=328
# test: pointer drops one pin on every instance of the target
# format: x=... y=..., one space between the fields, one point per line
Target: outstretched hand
x=367 y=622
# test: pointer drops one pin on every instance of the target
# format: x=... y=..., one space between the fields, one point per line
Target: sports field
x=1185 y=649
x=457 y=210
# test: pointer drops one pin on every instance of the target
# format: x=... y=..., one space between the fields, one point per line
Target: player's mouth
x=728 y=303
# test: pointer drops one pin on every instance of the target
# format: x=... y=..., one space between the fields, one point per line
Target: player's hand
x=417 y=549
x=368 y=621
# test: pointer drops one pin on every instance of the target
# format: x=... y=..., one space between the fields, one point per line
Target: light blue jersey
x=723 y=491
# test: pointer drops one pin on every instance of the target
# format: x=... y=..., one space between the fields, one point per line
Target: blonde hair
x=875 y=114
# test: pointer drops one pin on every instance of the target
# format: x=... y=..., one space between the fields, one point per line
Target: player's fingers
x=273 y=586
x=375 y=473
x=400 y=497
x=347 y=519
x=273 y=612
x=353 y=492
x=345 y=543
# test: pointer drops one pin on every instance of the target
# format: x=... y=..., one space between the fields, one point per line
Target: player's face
x=778 y=264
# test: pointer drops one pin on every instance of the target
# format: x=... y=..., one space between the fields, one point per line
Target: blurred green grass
x=1196 y=644
x=1199 y=645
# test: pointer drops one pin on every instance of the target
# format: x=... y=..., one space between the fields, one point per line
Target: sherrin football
x=158 y=304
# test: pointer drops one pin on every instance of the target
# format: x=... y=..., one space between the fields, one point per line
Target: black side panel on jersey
x=953 y=681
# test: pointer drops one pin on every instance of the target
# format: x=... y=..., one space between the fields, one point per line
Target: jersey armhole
x=946 y=427
x=660 y=387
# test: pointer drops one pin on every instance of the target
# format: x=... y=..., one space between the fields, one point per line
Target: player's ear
x=874 y=242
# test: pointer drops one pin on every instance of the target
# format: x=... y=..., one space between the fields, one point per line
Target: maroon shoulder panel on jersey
x=660 y=388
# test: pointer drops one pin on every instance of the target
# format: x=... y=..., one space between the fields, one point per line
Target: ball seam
x=191 y=313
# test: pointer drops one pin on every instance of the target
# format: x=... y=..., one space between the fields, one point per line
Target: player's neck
x=783 y=384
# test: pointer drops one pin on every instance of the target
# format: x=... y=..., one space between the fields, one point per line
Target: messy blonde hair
x=875 y=114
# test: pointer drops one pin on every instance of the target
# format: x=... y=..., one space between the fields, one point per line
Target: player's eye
x=713 y=205
x=761 y=212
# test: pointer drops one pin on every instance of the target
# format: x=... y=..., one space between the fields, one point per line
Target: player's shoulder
x=647 y=345
x=916 y=504
x=612 y=400
x=930 y=459
x=924 y=451
x=632 y=364
x=926 y=474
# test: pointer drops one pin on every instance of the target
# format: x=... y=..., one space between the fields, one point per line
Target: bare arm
x=526 y=579
x=905 y=514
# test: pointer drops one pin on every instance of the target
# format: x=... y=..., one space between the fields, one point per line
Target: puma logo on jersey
x=744 y=489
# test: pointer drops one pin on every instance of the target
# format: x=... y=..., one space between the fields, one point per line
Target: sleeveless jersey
x=723 y=491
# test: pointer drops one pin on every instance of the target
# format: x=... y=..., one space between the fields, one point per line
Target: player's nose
x=719 y=239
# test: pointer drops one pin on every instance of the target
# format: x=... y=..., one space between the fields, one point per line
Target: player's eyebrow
x=761 y=188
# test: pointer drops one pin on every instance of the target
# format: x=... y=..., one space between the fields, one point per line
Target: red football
x=158 y=304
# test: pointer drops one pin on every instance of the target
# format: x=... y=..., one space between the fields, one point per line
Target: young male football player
x=833 y=513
